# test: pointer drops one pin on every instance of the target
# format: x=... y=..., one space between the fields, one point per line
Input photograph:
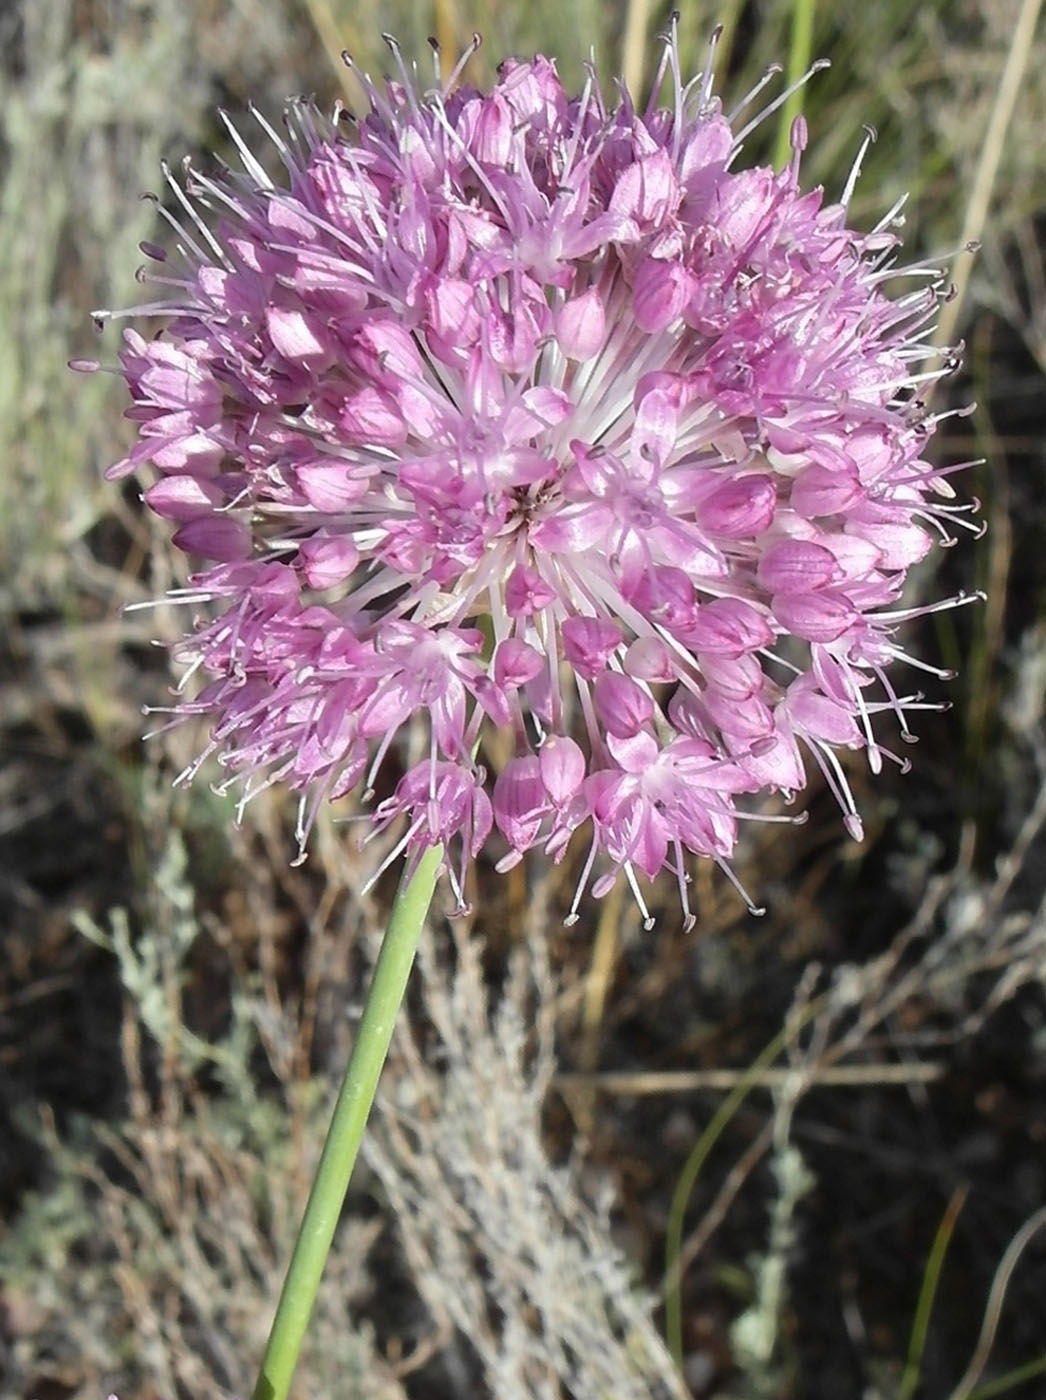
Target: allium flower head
x=528 y=411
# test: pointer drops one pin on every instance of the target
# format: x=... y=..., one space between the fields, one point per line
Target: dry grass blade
x=988 y=165
x=634 y=43
x=716 y=1213
x=996 y=1298
x=338 y=35
x=647 y=1083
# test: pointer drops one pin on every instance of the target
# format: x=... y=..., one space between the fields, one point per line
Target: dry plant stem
x=701 y=1080
x=725 y=1197
x=988 y=165
x=597 y=986
x=446 y=33
x=337 y=33
x=600 y=974
x=346 y=1130
x=996 y=1297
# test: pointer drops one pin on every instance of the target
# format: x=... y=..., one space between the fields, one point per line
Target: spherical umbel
x=529 y=411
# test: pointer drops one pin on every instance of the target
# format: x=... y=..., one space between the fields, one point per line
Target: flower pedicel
x=524 y=411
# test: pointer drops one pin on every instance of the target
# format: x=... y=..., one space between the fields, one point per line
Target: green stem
x=695 y=1162
x=1013 y=1378
x=346 y=1130
x=685 y=1185
x=799 y=52
x=927 y=1292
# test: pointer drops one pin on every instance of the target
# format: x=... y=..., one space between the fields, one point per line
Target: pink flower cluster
x=525 y=411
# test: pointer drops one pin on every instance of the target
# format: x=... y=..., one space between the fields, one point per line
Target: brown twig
x=645 y=1084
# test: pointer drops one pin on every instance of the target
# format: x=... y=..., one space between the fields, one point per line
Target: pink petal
x=728 y=627
x=520 y=801
x=622 y=705
x=581 y=325
x=183 y=497
x=516 y=662
x=296 y=336
x=372 y=418
x=588 y=643
x=797 y=566
x=215 y=537
x=741 y=507
x=649 y=659
x=562 y=768
x=327 y=562
x=818 y=491
x=526 y=592
x=819 y=617
x=636 y=753
x=660 y=291
x=329 y=486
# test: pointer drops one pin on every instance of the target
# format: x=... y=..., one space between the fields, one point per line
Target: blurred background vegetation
x=176 y=1000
